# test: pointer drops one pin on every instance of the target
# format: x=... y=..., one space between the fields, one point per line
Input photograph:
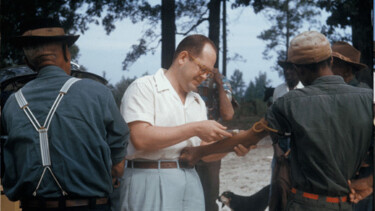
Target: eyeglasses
x=202 y=68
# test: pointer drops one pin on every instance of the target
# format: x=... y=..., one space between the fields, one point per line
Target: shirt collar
x=162 y=82
x=329 y=79
x=51 y=71
x=299 y=85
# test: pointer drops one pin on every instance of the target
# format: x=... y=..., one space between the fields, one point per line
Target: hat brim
x=357 y=66
x=22 y=41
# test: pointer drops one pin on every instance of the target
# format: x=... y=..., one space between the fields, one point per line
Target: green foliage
x=71 y=16
x=252 y=107
x=255 y=90
x=288 y=17
x=74 y=52
x=358 y=15
x=134 y=54
x=247 y=114
x=237 y=84
x=188 y=13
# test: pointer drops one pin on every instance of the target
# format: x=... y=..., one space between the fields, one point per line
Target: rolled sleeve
x=138 y=103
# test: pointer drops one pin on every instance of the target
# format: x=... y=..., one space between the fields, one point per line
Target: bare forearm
x=118 y=169
x=246 y=138
x=226 y=108
x=214 y=157
x=191 y=155
x=151 y=138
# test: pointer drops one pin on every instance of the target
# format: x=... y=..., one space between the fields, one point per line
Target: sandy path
x=247 y=175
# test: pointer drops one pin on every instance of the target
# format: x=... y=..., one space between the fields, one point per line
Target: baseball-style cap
x=309 y=47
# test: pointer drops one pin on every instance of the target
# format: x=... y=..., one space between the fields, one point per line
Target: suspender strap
x=24 y=106
x=64 y=89
x=43 y=130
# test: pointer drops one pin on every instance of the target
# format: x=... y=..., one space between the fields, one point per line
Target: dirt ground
x=247 y=175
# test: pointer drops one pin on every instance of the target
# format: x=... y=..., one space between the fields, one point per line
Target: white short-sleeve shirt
x=152 y=99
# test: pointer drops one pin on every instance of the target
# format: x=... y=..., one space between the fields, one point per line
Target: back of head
x=43 y=40
x=193 y=44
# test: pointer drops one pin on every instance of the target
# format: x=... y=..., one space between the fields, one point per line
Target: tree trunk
x=224 y=72
x=214 y=25
x=287 y=30
x=362 y=38
x=168 y=31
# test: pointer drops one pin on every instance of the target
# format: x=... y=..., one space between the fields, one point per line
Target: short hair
x=193 y=44
x=313 y=67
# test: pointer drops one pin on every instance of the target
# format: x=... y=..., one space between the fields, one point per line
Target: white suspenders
x=43 y=130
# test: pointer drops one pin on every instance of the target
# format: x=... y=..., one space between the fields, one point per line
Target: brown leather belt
x=156 y=164
x=316 y=197
x=36 y=203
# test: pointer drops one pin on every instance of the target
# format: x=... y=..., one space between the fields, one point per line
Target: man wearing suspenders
x=66 y=137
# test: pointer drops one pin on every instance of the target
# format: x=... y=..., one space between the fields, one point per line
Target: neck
x=171 y=75
x=325 y=71
x=348 y=78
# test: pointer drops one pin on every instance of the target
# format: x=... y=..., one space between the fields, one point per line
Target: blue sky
x=100 y=52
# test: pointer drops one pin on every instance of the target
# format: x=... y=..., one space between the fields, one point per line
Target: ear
x=67 y=52
x=183 y=56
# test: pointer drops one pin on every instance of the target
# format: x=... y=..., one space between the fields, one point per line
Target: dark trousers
x=101 y=207
x=209 y=176
x=365 y=204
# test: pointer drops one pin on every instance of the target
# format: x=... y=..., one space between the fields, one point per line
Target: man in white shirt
x=165 y=115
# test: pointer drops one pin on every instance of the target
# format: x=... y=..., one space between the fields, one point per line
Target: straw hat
x=42 y=30
x=347 y=53
x=309 y=47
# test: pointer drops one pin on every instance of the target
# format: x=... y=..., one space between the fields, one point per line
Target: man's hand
x=360 y=188
x=217 y=76
x=241 y=151
x=209 y=131
x=189 y=156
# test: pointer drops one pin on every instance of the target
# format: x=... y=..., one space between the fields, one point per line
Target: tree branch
x=200 y=20
x=192 y=27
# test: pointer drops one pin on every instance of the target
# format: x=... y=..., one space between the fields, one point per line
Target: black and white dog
x=255 y=202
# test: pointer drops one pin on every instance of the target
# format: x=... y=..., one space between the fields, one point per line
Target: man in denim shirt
x=69 y=162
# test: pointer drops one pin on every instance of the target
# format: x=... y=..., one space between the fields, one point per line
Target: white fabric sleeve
x=137 y=103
